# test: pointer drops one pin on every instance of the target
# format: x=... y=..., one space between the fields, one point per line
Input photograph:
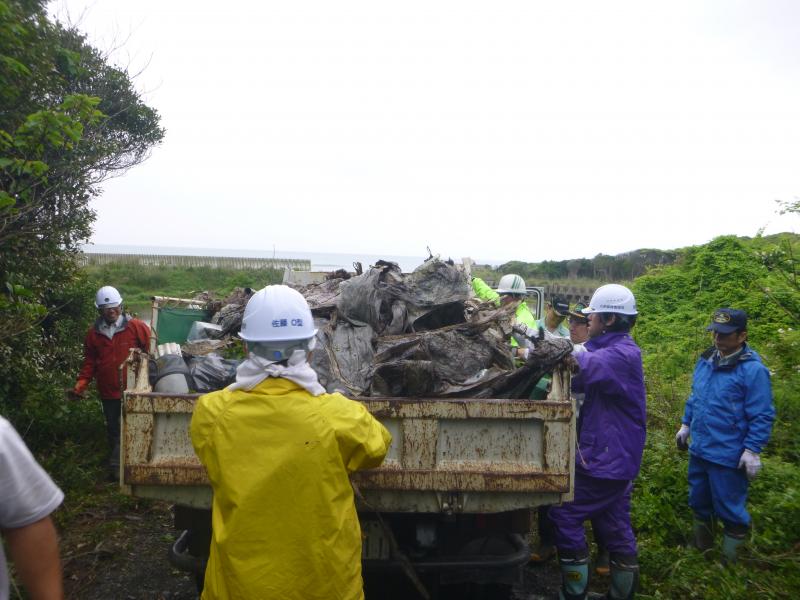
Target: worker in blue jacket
x=729 y=417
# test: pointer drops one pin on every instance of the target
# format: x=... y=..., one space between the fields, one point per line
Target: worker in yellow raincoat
x=278 y=451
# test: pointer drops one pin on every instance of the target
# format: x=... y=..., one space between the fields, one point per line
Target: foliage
x=769 y=566
x=138 y=284
x=68 y=120
x=675 y=303
x=622 y=267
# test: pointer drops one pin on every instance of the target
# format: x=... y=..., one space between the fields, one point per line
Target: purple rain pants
x=607 y=503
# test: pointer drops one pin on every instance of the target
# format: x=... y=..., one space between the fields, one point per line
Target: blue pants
x=717 y=490
x=604 y=502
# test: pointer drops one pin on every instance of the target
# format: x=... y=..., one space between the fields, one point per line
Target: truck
x=451 y=503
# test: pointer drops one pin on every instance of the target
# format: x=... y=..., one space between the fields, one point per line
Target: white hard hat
x=277 y=313
x=511 y=284
x=107 y=297
x=612 y=298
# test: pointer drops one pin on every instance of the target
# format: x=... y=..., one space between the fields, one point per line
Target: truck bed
x=455 y=455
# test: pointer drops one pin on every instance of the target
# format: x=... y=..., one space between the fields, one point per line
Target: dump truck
x=451 y=503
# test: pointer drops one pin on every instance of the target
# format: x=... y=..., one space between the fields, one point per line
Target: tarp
x=174 y=323
x=344 y=356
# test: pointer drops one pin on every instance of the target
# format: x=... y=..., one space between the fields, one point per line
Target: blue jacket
x=613 y=419
x=730 y=408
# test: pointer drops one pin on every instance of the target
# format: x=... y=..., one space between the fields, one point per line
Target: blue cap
x=728 y=320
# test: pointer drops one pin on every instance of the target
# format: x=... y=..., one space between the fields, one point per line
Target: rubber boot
x=546 y=548
x=601 y=565
x=574 y=576
x=542 y=554
x=733 y=537
x=703 y=535
x=624 y=577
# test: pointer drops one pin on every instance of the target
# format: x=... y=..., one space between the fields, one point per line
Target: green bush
x=769 y=566
x=675 y=303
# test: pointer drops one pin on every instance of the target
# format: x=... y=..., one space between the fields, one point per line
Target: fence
x=572 y=293
x=218 y=262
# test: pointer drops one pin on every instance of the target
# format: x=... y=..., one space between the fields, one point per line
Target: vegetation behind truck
x=450 y=503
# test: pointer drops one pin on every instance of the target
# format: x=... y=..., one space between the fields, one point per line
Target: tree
x=781 y=260
x=68 y=121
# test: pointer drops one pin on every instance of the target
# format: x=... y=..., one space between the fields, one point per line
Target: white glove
x=682 y=438
x=751 y=463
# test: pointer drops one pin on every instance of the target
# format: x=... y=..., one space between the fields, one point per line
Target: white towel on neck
x=256 y=369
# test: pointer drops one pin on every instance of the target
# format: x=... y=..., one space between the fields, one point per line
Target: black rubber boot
x=703 y=532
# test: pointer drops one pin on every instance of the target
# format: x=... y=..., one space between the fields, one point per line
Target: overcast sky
x=499 y=130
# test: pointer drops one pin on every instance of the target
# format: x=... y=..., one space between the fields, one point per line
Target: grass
x=138 y=284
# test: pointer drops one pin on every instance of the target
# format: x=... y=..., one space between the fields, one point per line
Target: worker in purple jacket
x=611 y=435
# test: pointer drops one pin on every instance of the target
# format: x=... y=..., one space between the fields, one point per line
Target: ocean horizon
x=319 y=261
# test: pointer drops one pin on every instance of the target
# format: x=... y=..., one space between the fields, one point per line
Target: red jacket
x=103 y=356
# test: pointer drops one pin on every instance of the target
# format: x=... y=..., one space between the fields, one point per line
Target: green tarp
x=173 y=324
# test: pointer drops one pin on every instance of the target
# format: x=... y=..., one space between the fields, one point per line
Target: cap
x=560 y=305
x=575 y=313
x=728 y=320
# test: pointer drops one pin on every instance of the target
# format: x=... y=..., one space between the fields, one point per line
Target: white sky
x=523 y=130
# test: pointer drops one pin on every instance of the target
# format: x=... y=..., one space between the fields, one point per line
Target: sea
x=319 y=261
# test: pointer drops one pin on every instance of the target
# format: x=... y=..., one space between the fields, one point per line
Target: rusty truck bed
x=448 y=454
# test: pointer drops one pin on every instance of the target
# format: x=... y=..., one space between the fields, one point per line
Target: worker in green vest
x=510 y=288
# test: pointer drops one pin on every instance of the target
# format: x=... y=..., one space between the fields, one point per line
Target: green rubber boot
x=703 y=535
x=624 y=577
x=574 y=578
x=730 y=544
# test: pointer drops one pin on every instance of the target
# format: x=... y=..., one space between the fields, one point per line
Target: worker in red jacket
x=106 y=347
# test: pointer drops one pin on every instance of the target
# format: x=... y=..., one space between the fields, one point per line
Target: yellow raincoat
x=284 y=522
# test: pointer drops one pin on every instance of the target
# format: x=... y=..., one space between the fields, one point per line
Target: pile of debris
x=386 y=333
x=423 y=334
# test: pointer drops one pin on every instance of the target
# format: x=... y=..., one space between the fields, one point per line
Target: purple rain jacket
x=612 y=424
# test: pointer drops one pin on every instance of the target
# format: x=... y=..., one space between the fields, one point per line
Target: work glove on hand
x=523 y=330
x=75 y=394
x=751 y=463
x=522 y=353
x=682 y=438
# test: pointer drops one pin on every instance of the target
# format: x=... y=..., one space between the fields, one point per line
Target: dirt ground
x=115 y=548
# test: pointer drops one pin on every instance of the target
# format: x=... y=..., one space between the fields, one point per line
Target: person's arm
x=524 y=315
x=688 y=409
x=201 y=429
x=758 y=409
x=27 y=497
x=143 y=336
x=87 y=371
x=601 y=369
x=363 y=440
x=34 y=551
x=483 y=291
